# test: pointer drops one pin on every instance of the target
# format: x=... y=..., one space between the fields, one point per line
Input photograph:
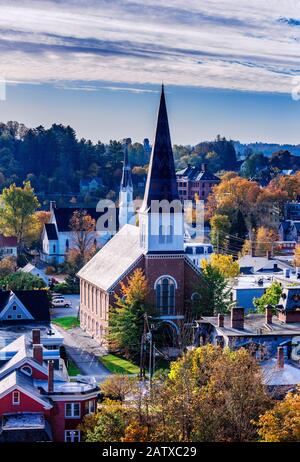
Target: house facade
x=156 y=246
x=38 y=401
x=58 y=238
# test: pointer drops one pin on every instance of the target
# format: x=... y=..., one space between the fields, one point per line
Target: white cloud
x=225 y=43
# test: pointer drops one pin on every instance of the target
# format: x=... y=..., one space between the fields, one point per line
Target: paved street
x=71 y=311
x=84 y=351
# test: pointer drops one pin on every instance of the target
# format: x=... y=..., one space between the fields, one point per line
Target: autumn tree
x=234 y=194
x=290 y=184
x=107 y=425
x=212 y=395
x=117 y=386
x=282 y=422
x=17 y=216
x=8 y=265
x=264 y=240
x=228 y=267
x=83 y=228
x=209 y=395
x=127 y=315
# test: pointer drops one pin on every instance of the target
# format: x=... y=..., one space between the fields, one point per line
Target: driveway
x=71 y=311
x=84 y=351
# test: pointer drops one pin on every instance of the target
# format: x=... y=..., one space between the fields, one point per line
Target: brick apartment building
x=192 y=181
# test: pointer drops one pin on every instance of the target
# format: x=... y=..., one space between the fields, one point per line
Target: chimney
x=237 y=318
x=269 y=313
x=220 y=320
x=203 y=167
x=38 y=353
x=36 y=336
x=280 y=357
x=50 y=376
x=269 y=254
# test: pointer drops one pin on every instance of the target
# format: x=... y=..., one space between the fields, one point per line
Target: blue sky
x=228 y=66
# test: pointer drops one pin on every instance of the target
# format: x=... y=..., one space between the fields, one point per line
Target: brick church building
x=156 y=246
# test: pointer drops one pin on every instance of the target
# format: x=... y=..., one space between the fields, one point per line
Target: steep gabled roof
x=161 y=179
x=110 y=264
x=51 y=231
x=35 y=301
x=17 y=380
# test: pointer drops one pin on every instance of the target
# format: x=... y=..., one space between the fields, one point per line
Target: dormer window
x=27 y=370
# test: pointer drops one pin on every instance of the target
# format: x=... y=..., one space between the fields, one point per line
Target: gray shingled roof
x=108 y=266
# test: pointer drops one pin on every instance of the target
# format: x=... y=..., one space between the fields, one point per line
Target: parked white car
x=61 y=302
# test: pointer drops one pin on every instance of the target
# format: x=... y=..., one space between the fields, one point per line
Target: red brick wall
x=156 y=267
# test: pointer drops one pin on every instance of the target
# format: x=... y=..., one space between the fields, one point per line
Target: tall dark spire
x=161 y=180
x=126 y=175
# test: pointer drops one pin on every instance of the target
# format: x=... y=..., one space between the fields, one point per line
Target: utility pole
x=142 y=351
x=150 y=339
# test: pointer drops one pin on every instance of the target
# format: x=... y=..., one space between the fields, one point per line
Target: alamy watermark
x=168 y=219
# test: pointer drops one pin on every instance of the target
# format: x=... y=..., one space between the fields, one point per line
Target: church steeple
x=161 y=215
x=161 y=180
x=126 y=206
x=126 y=174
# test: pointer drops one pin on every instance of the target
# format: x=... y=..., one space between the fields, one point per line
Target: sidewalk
x=84 y=351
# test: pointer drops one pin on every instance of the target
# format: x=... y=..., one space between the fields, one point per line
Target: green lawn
x=68 y=322
x=72 y=368
x=118 y=365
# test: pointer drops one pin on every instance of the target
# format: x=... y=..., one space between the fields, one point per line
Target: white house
x=58 y=238
x=31 y=269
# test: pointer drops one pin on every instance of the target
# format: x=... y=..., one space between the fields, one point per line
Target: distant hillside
x=266 y=148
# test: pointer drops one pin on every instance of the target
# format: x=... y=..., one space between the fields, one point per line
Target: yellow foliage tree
x=282 y=423
x=228 y=267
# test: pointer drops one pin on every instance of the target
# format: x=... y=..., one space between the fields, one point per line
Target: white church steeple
x=126 y=206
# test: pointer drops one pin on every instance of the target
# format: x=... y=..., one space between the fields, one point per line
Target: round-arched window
x=165 y=295
x=195 y=297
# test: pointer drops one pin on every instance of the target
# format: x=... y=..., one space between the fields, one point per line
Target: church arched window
x=165 y=288
x=67 y=245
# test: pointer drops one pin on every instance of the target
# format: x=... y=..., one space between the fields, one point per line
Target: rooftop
x=114 y=259
x=252 y=282
x=23 y=420
x=80 y=386
x=254 y=324
x=10 y=333
x=272 y=375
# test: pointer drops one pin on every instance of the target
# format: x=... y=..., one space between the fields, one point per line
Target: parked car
x=61 y=302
